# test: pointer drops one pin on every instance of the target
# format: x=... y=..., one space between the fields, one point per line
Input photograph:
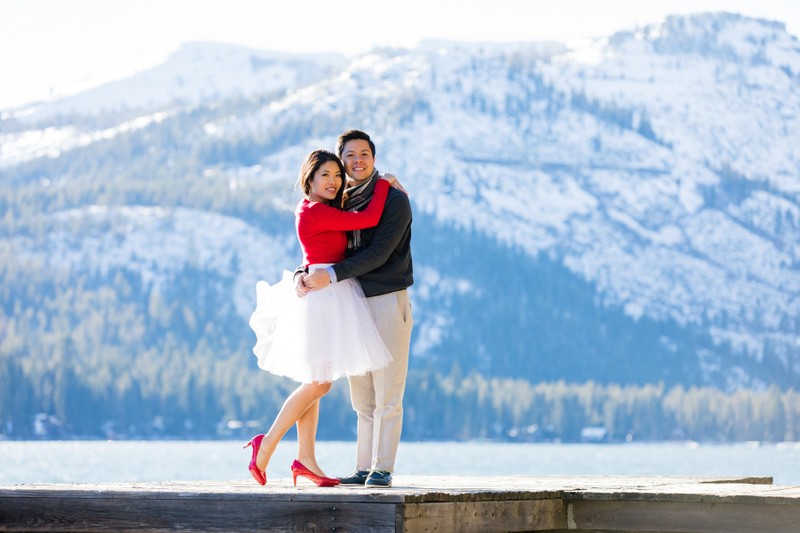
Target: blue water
x=138 y=461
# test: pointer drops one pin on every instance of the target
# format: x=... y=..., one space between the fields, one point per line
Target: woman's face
x=325 y=183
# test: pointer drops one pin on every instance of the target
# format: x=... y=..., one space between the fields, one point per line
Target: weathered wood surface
x=414 y=504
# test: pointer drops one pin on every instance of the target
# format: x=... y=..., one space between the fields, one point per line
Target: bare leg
x=307 y=439
x=298 y=402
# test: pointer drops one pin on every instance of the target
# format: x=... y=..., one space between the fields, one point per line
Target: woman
x=325 y=335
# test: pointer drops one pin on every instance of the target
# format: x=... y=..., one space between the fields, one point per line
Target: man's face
x=358 y=160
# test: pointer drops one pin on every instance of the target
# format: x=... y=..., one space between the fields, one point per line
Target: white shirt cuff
x=332 y=274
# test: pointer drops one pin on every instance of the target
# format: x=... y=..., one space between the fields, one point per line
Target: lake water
x=138 y=461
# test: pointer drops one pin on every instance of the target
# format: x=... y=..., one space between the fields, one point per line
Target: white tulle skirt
x=325 y=335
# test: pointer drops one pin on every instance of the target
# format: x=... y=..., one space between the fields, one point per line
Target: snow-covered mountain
x=196 y=72
x=659 y=167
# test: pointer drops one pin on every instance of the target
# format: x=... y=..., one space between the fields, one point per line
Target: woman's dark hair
x=313 y=161
x=350 y=135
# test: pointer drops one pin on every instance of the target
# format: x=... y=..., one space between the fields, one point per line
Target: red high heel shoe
x=258 y=475
x=321 y=481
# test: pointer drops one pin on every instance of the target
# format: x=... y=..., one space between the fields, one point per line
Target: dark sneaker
x=379 y=478
x=359 y=477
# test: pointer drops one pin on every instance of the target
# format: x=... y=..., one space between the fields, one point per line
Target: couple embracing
x=344 y=312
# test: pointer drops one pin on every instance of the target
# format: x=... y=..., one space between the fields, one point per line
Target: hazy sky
x=56 y=46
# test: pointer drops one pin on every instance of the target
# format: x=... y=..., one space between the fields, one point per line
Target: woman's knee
x=320 y=389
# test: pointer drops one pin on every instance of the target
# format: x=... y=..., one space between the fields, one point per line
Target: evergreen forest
x=507 y=345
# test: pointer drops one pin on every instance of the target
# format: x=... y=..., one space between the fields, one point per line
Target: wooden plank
x=483 y=517
x=191 y=514
x=681 y=516
x=414 y=504
x=279 y=490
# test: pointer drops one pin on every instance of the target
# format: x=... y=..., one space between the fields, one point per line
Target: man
x=380 y=258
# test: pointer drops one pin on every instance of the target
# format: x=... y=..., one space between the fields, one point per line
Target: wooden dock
x=414 y=504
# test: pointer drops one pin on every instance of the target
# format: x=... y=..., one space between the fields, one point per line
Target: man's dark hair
x=350 y=135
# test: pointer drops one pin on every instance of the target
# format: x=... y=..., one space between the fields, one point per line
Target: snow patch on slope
x=158 y=242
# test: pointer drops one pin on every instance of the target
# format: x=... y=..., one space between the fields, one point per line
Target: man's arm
x=387 y=235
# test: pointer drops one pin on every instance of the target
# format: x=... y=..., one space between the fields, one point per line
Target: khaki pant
x=377 y=397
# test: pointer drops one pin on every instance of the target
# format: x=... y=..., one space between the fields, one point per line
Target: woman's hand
x=393 y=181
x=300 y=284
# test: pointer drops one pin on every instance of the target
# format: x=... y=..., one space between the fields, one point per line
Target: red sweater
x=321 y=228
